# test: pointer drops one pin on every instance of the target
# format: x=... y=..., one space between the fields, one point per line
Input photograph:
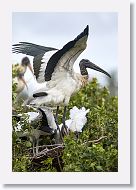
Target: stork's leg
x=37 y=146
x=64 y=117
x=58 y=137
x=33 y=143
x=63 y=120
x=56 y=116
x=56 y=120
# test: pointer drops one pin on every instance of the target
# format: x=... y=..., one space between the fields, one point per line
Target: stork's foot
x=37 y=150
x=34 y=153
x=64 y=130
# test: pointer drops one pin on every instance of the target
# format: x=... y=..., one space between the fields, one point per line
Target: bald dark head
x=25 y=61
x=85 y=63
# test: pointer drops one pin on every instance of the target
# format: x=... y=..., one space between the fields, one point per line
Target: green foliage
x=84 y=154
x=47 y=166
x=96 y=148
x=20 y=156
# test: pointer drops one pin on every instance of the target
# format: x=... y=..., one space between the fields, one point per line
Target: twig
x=49 y=150
x=96 y=140
x=50 y=145
x=45 y=152
x=59 y=162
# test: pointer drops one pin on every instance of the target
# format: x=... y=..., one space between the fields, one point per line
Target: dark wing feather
x=37 y=62
x=30 y=49
x=44 y=125
x=39 y=94
x=37 y=51
x=68 y=54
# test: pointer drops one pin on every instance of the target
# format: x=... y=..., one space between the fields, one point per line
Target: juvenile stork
x=20 y=80
x=42 y=123
x=56 y=67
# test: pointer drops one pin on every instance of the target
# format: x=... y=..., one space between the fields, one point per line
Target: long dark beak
x=30 y=67
x=95 y=67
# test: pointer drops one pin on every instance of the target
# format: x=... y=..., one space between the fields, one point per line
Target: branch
x=45 y=151
x=53 y=152
x=96 y=140
x=49 y=145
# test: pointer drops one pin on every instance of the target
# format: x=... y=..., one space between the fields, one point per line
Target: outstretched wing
x=30 y=49
x=65 y=57
x=54 y=61
x=38 y=52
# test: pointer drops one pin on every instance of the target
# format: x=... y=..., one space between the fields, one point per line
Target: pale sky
x=56 y=29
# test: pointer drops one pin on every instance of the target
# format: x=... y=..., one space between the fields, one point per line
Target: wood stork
x=20 y=80
x=56 y=67
x=42 y=123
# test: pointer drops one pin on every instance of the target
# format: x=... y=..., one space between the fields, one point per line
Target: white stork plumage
x=56 y=67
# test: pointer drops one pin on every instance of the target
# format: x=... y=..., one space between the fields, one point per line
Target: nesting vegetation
x=94 y=150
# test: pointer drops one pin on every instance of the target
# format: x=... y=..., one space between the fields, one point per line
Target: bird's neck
x=84 y=80
x=83 y=71
x=24 y=67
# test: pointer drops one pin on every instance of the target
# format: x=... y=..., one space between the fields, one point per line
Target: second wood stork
x=56 y=67
x=20 y=80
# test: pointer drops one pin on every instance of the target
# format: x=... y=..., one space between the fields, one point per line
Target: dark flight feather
x=39 y=94
x=52 y=63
